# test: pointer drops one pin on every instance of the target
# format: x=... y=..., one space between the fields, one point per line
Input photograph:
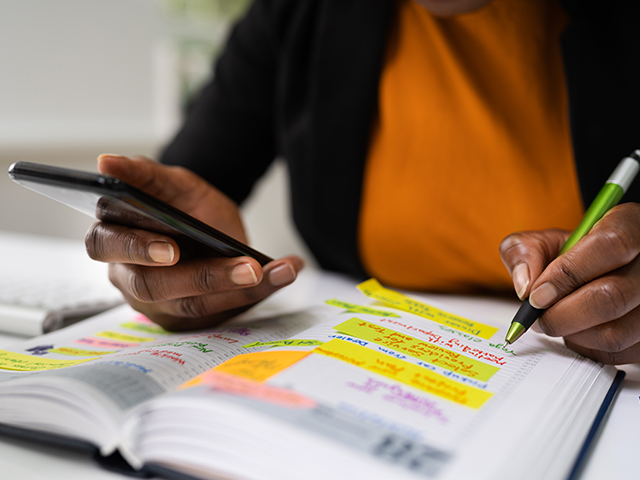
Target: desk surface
x=614 y=456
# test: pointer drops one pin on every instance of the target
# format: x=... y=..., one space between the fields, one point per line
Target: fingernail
x=244 y=274
x=160 y=252
x=282 y=275
x=543 y=296
x=520 y=277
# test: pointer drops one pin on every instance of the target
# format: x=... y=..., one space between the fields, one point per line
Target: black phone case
x=83 y=190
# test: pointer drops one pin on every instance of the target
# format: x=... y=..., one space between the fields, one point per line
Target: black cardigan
x=299 y=80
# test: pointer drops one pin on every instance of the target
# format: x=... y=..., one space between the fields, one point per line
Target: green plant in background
x=197 y=30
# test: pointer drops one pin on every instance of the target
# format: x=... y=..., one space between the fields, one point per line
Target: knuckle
x=192 y=307
x=569 y=279
x=139 y=285
x=93 y=242
x=609 y=301
x=610 y=340
x=619 y=241
x=204 y=279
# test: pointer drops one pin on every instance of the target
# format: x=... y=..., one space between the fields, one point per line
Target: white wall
x=83 y=77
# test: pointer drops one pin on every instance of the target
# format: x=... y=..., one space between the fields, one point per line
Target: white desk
x=614 y=456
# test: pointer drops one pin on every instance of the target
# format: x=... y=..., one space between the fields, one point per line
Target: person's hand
x=592 y=292
x=172 y=288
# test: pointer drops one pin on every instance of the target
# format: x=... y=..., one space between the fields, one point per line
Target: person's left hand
x=592 y=292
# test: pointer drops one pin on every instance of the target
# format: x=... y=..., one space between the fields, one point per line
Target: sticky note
x=373 y=289
x=123 y=337
x=352 y=307
x=28 y=363
x=404 y=372
x=144 y=327
x=259 y=366
x=250 y=388
x=416 y=348
x=298 y=342
x=97 y=342
x=79 y=352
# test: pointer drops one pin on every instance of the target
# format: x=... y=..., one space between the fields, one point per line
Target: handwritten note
x=405 y=372
x=146 y=328
x=27 y=363
x=297 y=342
x=80 y=352
x=123 y=337
x=416 y=348
x=352 y=307
x=259 y=366
x=373 y=289
x=97 y=342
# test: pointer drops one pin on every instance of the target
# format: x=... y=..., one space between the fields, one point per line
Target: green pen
x=607 y=198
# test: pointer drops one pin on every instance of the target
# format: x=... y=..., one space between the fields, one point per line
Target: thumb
x=526 y=255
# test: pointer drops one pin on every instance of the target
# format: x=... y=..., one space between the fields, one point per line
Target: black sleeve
x=228 y=134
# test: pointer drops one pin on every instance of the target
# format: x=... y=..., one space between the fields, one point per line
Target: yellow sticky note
x=123 y=337
x=259 y=366
x=352 y=307
x=416 y=348
x=373 y=289
x=144 y=327
x=295 y=342
x=80 y=352
x=29 y=363
x=405 y=372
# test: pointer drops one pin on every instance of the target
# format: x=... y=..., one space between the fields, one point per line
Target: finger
x=629 y=355
x=187 y=278
x=167 y=183
x=206 y=310
x=179 y=187
x=611 y=244
x=107 y=242
x=526 y=254
x=605 y=299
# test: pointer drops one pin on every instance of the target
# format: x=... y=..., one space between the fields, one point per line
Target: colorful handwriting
x=502 y=347
x=296 y=342
x=357 y=341
x=130 y=365
x=417 y=348
x=259 y=366
x=373 y=289
x=144 y=327
x=97 y=342
x=168 y=354
x=201 y=347
x=209 y=336
x=404 y=372
x=452 y=342
x=79 y=352
x=27 y=363
x=396 y=394
x=352 y=307
x=123 y=337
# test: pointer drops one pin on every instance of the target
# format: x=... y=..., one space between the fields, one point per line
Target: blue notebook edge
x=597 y=424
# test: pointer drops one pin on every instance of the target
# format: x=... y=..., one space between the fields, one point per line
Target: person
x=418 y=134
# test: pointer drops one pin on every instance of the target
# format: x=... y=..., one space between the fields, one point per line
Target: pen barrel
x=606 y=199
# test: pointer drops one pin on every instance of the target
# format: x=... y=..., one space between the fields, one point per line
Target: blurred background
x=84 y=77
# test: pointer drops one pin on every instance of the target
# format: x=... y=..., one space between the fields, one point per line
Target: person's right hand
x=181 y=293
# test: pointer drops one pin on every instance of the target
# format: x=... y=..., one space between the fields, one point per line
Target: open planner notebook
x=388 y=388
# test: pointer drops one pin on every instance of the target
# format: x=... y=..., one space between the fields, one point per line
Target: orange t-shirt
x=471 y=144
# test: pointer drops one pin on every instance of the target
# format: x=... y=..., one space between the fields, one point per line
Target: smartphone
x=114 y=201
